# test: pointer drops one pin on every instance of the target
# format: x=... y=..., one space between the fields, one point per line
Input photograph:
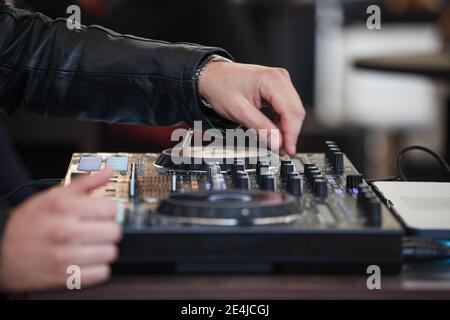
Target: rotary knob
x=268 y=182
x=353 y=181
x=259 y=164
x=337 y=161
x=363 y=192
x=330 y=153
x=311 y=173
x=294 y=184
x=308 y=167
x=239 y=165
x=285 y=169
x=242 y=180
x=373 y=212
x=320 y=188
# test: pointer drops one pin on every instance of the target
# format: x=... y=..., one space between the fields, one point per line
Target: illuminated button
x=118 y=163
x=90 y=163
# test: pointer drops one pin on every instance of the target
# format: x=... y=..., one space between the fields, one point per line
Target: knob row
x=334 y=156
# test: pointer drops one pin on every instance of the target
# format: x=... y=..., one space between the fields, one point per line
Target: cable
x=441 y=161
x=424 y=249
x=401 y=174
x=35 y=183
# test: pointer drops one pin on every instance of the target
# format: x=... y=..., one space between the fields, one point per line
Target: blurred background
x=372 y=91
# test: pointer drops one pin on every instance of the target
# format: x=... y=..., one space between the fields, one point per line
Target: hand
x=56 y=229
x=237 y=92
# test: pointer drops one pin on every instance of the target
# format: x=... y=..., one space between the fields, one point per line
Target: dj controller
x=245 y=211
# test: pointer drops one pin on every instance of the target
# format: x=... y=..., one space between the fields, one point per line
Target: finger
x=94 y=274
x=97 y=232
x=93 y=254
x=286 y=103
x=97 y=209
x=75 y=231
x=84 y=185
x=251 y=117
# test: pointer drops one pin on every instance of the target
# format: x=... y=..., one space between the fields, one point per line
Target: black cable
x=35 y=183
x=424 y=249
x=400 y=173
x=441 y=161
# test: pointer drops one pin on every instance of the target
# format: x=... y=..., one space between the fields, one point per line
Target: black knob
x=353 y=181
x=337 y=161
x=313 y=172
x=331 y=152
x=239 y=165
x=285 y=169
x=320 y=188
x=294 y=184
x=373 y=212
x=307 y=167
x=268 y=182
x=242 y=181
x=365 y=199
x=330 y=149
x=362 y=192
x=259 y=164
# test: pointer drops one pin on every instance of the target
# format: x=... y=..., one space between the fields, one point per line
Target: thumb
x=86 y=184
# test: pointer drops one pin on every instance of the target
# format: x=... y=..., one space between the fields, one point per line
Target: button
x=90 y=163
x=218 y=182
x=118 y=163
x=213 y=169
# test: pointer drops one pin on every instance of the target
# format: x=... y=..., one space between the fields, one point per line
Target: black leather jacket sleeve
x=97 y=74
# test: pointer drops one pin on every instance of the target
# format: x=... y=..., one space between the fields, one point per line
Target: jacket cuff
x=209 y=118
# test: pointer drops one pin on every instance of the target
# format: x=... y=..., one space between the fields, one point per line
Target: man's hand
x=56 y=229
x=237 y=92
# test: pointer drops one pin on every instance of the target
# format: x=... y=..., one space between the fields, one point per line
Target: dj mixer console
x=240 y=211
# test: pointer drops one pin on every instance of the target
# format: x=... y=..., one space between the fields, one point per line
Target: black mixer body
x=307 y=213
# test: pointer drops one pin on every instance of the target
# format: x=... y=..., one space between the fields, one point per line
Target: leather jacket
x=97 y=74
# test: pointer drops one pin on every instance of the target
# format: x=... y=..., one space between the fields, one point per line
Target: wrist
x=202 y=76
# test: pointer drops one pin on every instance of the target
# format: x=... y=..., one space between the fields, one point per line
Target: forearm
x=4 y=215
x=96 y=74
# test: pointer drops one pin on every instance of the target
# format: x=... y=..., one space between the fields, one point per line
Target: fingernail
x=293 y=148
